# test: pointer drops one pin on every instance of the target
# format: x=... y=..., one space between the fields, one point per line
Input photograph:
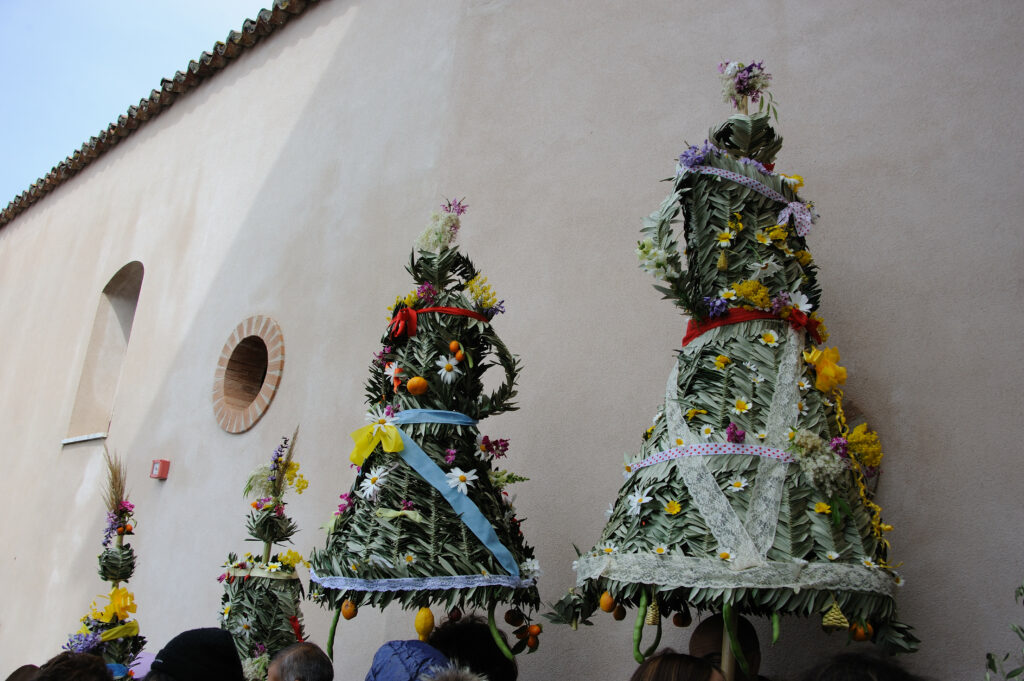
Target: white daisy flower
x=868 y=563
x=627 y=470
x=226 y=611
x=727 y=293
x=801 y=408
x=707 y=432
x=741 y=405
x=827 y=402
x=460 y=479
x=273 y=566
x=762 y=237
x=379 y=419
x=725 y=554
x=409 y=558
x=638 y=499
x=607 y=549
x=447 y=369
x=802 y=384
x=897 y=579
x=769 y=338
x=737 y=484
x=761 y=436
x=800 y=301
x=725 y=237
x=481 y=450
x=353 y=566
x=372 y=483
x=660 y=550
x=832 y=555
x=765 y=268
x=756 y=379
x=530 y=568
x=679 y=442
x=391 y=370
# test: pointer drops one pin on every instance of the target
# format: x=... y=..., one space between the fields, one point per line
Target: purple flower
x=82 y=643
x=734 y=434
x=780 y=301
x=379 y=356
x=407 y=505
x=449 y=456
x=427 y=293
x=126 y=506
x=457 y=207
x=391 y=409
x=346 y=504
x=754 y=162
x=222 y=577
x=716 y=306
x=259 y=649
x=838 y=445
x=497 y=309
x=279 y=511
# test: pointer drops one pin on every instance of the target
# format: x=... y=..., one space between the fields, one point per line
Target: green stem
x=330 y=634
x=495 y=634
x=729 y=617
x=638 y=626
x=776 y=627
x=266 y=552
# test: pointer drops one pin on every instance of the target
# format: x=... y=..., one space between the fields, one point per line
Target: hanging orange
x=349 y=609
x=860 y=632
x=454 y=346
x=417 y=385
x=607 y=602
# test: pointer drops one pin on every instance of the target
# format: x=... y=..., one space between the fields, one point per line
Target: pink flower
x=449 y=456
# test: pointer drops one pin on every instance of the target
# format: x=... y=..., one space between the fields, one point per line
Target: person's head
x=468 y=642
x=197 y=655
x=669 y=665
x=301 y=662
x=25 y=672
x=74 y=667
x=858 y=667
x=706 y=642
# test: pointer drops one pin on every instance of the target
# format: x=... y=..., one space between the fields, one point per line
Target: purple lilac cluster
x=456 y=207
x=716 y=306
x=82 y=643
x=407 y=505
x=427 y=293
x=449 y=455
x=491 y=312
x=780 y=302
x=391 y=409
x=379 y=356
x=757 y=164
x=496 y=448
x=113 y=522
x=750 y=80
x=694 y=156
x=838 y=445
x=275 y=460
x=734 y=434
x=345 y=505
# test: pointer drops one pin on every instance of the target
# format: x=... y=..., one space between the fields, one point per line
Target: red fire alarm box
x=160 y=468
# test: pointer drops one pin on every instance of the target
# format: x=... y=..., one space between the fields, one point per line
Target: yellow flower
x=762 y=237
x=690 y=413
x=864 y=444
x=292 y=558
x=736 y=222
x=768 y=338
x=741 y=405
x=822 y=507
x=679 y=442
x=829 y=373
x=755 y=292
x=481 y=292
x=673 y=507
x=794 y=181
x=778 y=233
x=822 y=331
x=725 y=237
x=720 y=363
x=803 y=257
x=301 y=484
x=122 y=602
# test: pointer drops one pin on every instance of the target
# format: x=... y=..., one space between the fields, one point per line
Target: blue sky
x=70 y=67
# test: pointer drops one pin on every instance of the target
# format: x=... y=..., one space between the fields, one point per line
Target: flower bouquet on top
x=427 y=519
x=262 y=593
x=751 y=492
x=109 y=632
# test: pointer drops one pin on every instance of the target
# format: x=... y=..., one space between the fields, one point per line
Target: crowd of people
x=458 y=650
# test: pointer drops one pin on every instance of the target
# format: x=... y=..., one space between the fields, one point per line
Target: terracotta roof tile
x=181 y=83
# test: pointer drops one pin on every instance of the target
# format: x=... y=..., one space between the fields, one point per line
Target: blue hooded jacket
x=404 y=661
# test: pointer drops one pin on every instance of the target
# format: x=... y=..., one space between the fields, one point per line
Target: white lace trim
x=707 y=573
x=421 y=583
x=787 y=395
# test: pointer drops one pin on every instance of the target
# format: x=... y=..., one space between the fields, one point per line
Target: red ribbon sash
x=405 y=321
x=797 y=319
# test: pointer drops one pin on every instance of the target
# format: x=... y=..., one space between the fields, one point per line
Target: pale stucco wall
x=293 y=184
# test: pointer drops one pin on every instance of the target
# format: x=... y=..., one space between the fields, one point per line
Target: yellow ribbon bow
x=367 y=437
x=126 y=630
x=829 y=373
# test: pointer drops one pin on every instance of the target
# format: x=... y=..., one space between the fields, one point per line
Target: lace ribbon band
x=708 y=573
x=404 y=322
x=421 y=583
x=259 y=572
x=800 y=213
x=713 y=449
x=797 y=319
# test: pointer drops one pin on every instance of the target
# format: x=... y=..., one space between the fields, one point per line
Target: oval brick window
x=248 y=373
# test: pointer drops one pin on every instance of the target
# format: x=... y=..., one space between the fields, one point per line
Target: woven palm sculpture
x=426 y=520
x=750 y=492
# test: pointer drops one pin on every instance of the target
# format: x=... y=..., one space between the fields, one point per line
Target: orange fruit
x=459 y=356
x=349 y=609
x=607 y=602
x=417 y=385
x=619 y=613
x=128 y=527
x=534 y=630
x=860 y=632
x=532 y=642
x=454 y=346
x=120 y=530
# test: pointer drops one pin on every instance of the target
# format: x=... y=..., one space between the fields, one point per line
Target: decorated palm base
x=427 y=521
x=750 y=492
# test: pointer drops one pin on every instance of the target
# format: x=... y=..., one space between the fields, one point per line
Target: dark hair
x=74 y=667
x=469 y=643
x=706 y=642
x=25 y=672
x=669 y=665
x=303 y=662
x=858 y=667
